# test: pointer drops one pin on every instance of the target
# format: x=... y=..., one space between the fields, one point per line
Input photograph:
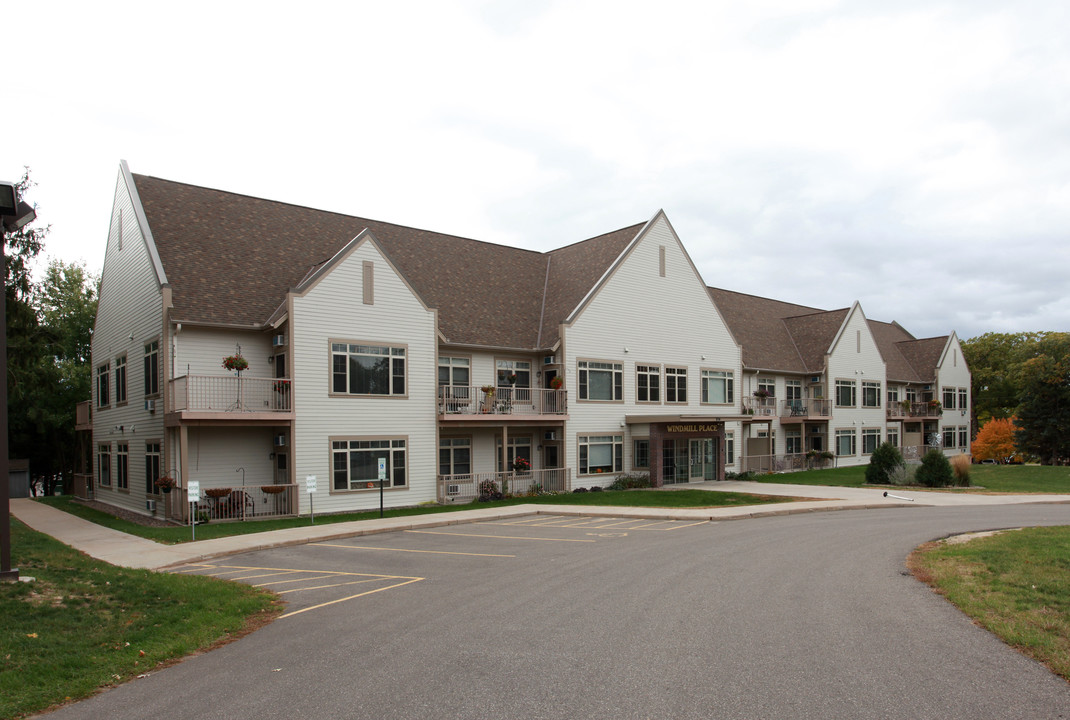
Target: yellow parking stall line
x=618 y=523
x=685 y=525
x=351 y=597
x=496 y=537
x=431 y=552
x=650 y=525
x=521 y=521
x=263 y=575
x=553 y=522
x=296 y=570
x=284 y=582
x=321 y=587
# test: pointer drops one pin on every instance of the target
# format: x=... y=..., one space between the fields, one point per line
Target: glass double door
x=693 y=460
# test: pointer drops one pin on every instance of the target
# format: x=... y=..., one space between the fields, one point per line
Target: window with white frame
x=948 y=440
x=871 y=438
x=846 y=393
x=358 y=369
x=648 y=383
x=964 y=436
x=103 y=385
x=641 y=453
x=717 y=387
x=893 y=437
x=846 y=442
x=676 y=384
x=871 y=394
x=600 y=454
x=893 y=395
x=768 y=385
x=104 y=464
x=152 y=368
x=152 y=467
x=456 y=371
x=949 y=398
x=963 y=404
x=792 y=442
x=355 y=463
x=793 y=389
x=122 y=466
x=514 y=373
x=120 y=380
x=730 y=448
x=601 y=380
x=519 y=447
x=455 y=456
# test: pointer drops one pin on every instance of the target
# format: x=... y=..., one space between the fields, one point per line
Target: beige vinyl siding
x=202 y=350
x=334 y=309
x=668 y=320
x=855 y=357
x=129 y=314
x=217 y=455
x=953 y=372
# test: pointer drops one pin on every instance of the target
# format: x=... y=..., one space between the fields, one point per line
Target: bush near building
x=884 y=463
x=935 y=470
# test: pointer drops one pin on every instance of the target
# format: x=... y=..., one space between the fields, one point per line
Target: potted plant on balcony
x=166 y=484
x=488 y=402
x=761 y=393
x=556 y=383
x=235 y=362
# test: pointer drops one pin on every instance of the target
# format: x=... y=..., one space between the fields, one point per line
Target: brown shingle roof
x=230 y=259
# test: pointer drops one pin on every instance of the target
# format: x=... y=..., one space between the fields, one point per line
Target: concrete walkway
x=131 y=551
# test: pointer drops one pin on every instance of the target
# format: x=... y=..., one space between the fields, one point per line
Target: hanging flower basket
x=273 y=489
x=166 y=483
x=235 y=362
x=217 y=492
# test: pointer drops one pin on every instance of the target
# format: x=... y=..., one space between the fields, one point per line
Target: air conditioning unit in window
x=453 y=489
x=150 y=505
x=549 y=360
x=279 y=341
x=150 y=406
x=926 y=387
x=815 y=378
x=551 y=435
x=280 y=440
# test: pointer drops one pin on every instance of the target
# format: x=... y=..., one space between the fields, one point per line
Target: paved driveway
x=800 y=616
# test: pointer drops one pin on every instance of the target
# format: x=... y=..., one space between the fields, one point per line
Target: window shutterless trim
x=404 y=356
x=388 y=486
x=730 y=385
x=649 y=372
x=583 y=380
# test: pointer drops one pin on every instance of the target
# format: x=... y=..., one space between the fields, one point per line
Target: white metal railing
x=468 y=487
x=759 y=406
x=793 y=462
x=249 y=502
x=212 y=393
x=471 y=400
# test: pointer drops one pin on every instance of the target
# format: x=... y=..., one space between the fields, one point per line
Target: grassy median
x=83 y=624
x=1015 y=584
x=1046 y=479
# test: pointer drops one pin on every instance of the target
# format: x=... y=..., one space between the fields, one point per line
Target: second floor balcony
x=914 y=409
x=462 y=402
x=231 y=397
x=791 y=410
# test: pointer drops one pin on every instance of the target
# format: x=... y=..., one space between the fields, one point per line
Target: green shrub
x=628 y=481
x=883 y=463
x=935 y=470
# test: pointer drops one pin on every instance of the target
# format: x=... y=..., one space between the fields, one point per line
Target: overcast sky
x=913 y=156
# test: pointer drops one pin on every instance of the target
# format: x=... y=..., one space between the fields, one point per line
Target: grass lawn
x=1015 y=584
x=84 y=624
x=987 y=478
x=618 y=498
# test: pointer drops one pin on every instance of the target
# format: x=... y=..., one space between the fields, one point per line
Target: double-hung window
x=601 y=380
x=949 y=437
x=355 y=463
x=717 y=387
x=676 y=384
x=601 y=454
x=152 y=368
x=964 y=436
x=104 y=464
x=454 y=371
x=358 y=369
x=871 y=438
x=963 y=404
x=641 y=453
x=120 y=380
x=792 y=442
x=103 y=386
x=846 y=394
x=455 y=456
x=152 y=467
x=871 y=394
x=122 y=466
x=949 y=398
x=845 y=442
x=648 y=383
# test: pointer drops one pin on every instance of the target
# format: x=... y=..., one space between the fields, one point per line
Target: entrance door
x=703 y=461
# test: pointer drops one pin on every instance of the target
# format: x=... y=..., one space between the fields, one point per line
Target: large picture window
x=601 y=454
x=846 y=393
x=648 y=383
x=601 y=380
x=367 y=369
x=717 y=387
x=845 y=442
x=454 y=371
x=676 y=385
x=355 y=463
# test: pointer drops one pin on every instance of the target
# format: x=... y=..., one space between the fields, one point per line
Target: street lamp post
x=15 y=214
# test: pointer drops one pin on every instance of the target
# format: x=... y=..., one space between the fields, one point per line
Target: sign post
x=193 y=490
x=382 y=479
x=310 y=488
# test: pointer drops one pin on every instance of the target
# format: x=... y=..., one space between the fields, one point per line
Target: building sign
x=710 y=428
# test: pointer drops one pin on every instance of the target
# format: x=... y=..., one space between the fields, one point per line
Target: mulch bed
x=124 y=514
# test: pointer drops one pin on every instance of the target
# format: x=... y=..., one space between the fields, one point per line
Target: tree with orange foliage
x=995 y=440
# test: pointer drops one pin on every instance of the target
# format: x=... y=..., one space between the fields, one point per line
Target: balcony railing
x=83 y=416
x=466 y=488
x=806 y=408
x=251 y=502
x=466 y=400
x=793 y=462
x=912 y=409
x=212 y=393
x=760 y=407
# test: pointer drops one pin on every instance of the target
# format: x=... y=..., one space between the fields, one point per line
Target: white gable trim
x=143 y=222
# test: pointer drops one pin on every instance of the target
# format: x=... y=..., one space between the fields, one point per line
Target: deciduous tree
x=995 y=440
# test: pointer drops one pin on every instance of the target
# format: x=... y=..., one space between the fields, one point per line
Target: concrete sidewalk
x=131 y=551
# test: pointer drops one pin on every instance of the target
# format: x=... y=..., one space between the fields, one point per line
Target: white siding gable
x=855 y=357
x=333 y=307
